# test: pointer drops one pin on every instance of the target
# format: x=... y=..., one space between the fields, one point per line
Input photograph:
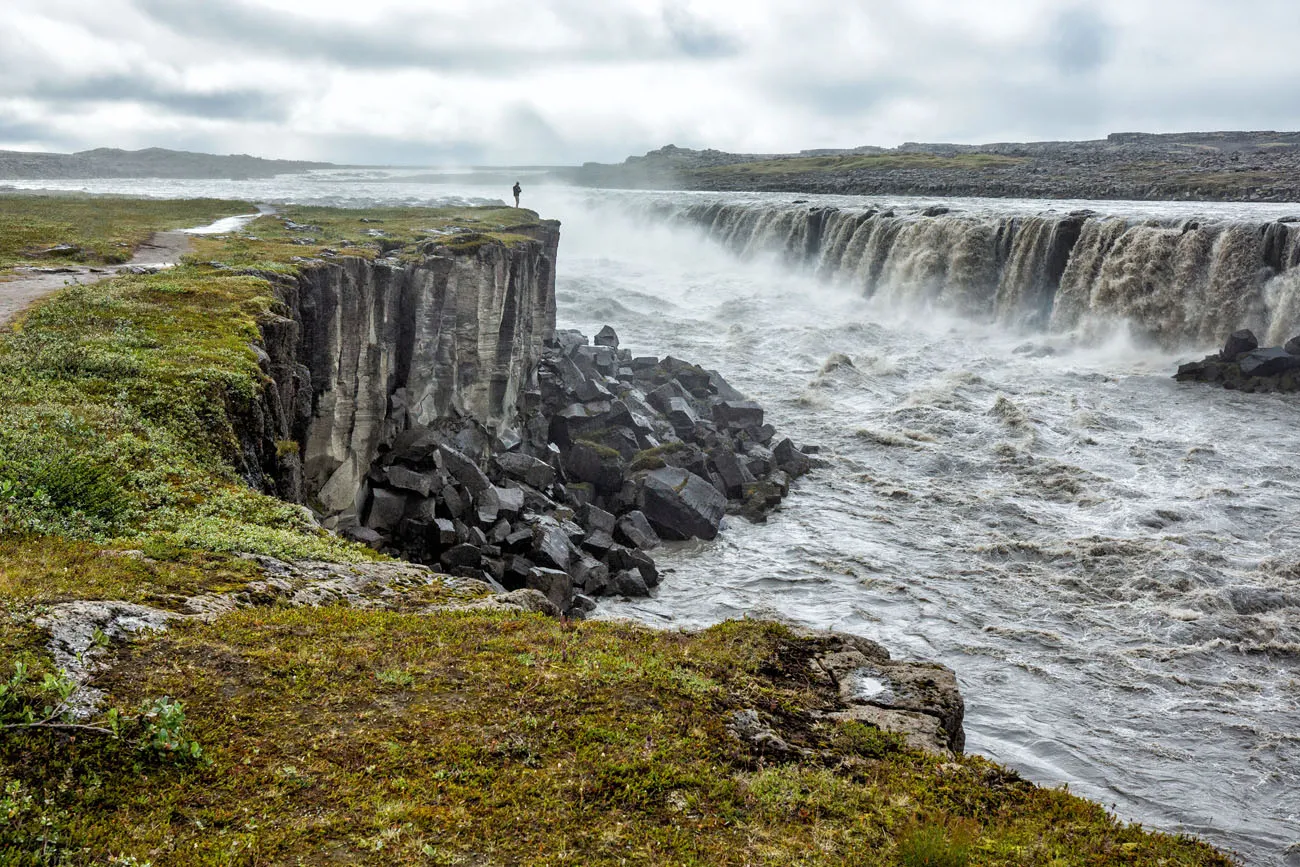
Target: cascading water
x=1176 y=280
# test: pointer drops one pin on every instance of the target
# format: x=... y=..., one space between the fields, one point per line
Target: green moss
x=603 y=451
x=345 y=735
x=654 y=458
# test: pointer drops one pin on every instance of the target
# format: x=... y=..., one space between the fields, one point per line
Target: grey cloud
x=360 y=149
x=1081 y=40
x=697 y=38
x=222 y=104
x=845 y=96
x=14 y=132
x=410 y=45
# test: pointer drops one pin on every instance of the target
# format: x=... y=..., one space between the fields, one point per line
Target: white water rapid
x=1016 y=487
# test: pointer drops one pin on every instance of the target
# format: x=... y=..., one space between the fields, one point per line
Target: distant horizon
x=560 y=165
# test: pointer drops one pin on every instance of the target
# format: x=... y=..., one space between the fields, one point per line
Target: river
x=1108 y=559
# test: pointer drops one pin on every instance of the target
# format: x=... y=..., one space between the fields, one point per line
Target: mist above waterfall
x=1176 y=278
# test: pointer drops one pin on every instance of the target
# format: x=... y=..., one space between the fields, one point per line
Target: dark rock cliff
x=358 y=351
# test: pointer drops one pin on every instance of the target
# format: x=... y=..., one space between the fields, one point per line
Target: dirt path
x=162 y=249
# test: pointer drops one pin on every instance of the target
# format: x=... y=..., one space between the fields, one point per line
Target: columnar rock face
x=365 y=350
x=431 y=410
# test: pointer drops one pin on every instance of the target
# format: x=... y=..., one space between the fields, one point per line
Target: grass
x=103 y=231
x=349 y=736
x=276 y=243
x=863 y=162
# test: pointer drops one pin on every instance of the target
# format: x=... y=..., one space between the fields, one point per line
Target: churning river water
x=1108 y=559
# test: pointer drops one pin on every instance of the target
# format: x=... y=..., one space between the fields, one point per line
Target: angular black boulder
x=681 y=505
x=1267 y=362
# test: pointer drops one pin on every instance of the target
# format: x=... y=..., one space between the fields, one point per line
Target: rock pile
x=1243 y=365
x=616 y=454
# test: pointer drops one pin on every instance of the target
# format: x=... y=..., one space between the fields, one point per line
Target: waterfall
x=1176 y=280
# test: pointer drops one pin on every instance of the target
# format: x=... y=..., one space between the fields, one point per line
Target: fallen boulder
x=681 y=505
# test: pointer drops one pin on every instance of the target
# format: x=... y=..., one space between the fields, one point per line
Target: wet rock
x=598 y=465
x=464 y=470
x=519 y=539
x=487 y=505
x=465 y=555
x=554 y=584
x=456 y=504
x=444 y=532
x=592 y=576
x=1293 y=345
x=510 y=501
x=790 y=459
x=365 y=536
x=645 y=565
x=517 y=571
x=1266 y=362
x=551 y=546
x=1237 y=343
x=607 y=337
x=681 y=505
x=737 y=414
x=722 y=388
x=595 y=518
x=733 y=473
x=631 y=584
x=582 y=603
x=634 y=530
x=598 y=542
x=524 y=468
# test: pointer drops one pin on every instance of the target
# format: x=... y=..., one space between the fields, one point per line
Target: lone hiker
x=517 y=190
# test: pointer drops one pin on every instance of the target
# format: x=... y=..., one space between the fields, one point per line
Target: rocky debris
x=1243 y=366
x=859 y=682
x=919 y=700
x=616 y=454
x=73 y=626
x=748 y=726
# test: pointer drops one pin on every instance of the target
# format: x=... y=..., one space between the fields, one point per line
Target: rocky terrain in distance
x=147 y=163
x=1213 y=166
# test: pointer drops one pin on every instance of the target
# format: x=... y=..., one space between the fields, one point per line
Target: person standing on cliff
x=517 y=190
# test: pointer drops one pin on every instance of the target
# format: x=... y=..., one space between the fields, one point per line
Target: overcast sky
x=564 y=81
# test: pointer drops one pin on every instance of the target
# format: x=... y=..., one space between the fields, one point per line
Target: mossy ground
x=345 y=736
x=104 y=231
x=276 y=242
x=338 y=735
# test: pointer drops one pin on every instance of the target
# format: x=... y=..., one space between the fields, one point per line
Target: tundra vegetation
x=69 y=228
x=416 y=733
